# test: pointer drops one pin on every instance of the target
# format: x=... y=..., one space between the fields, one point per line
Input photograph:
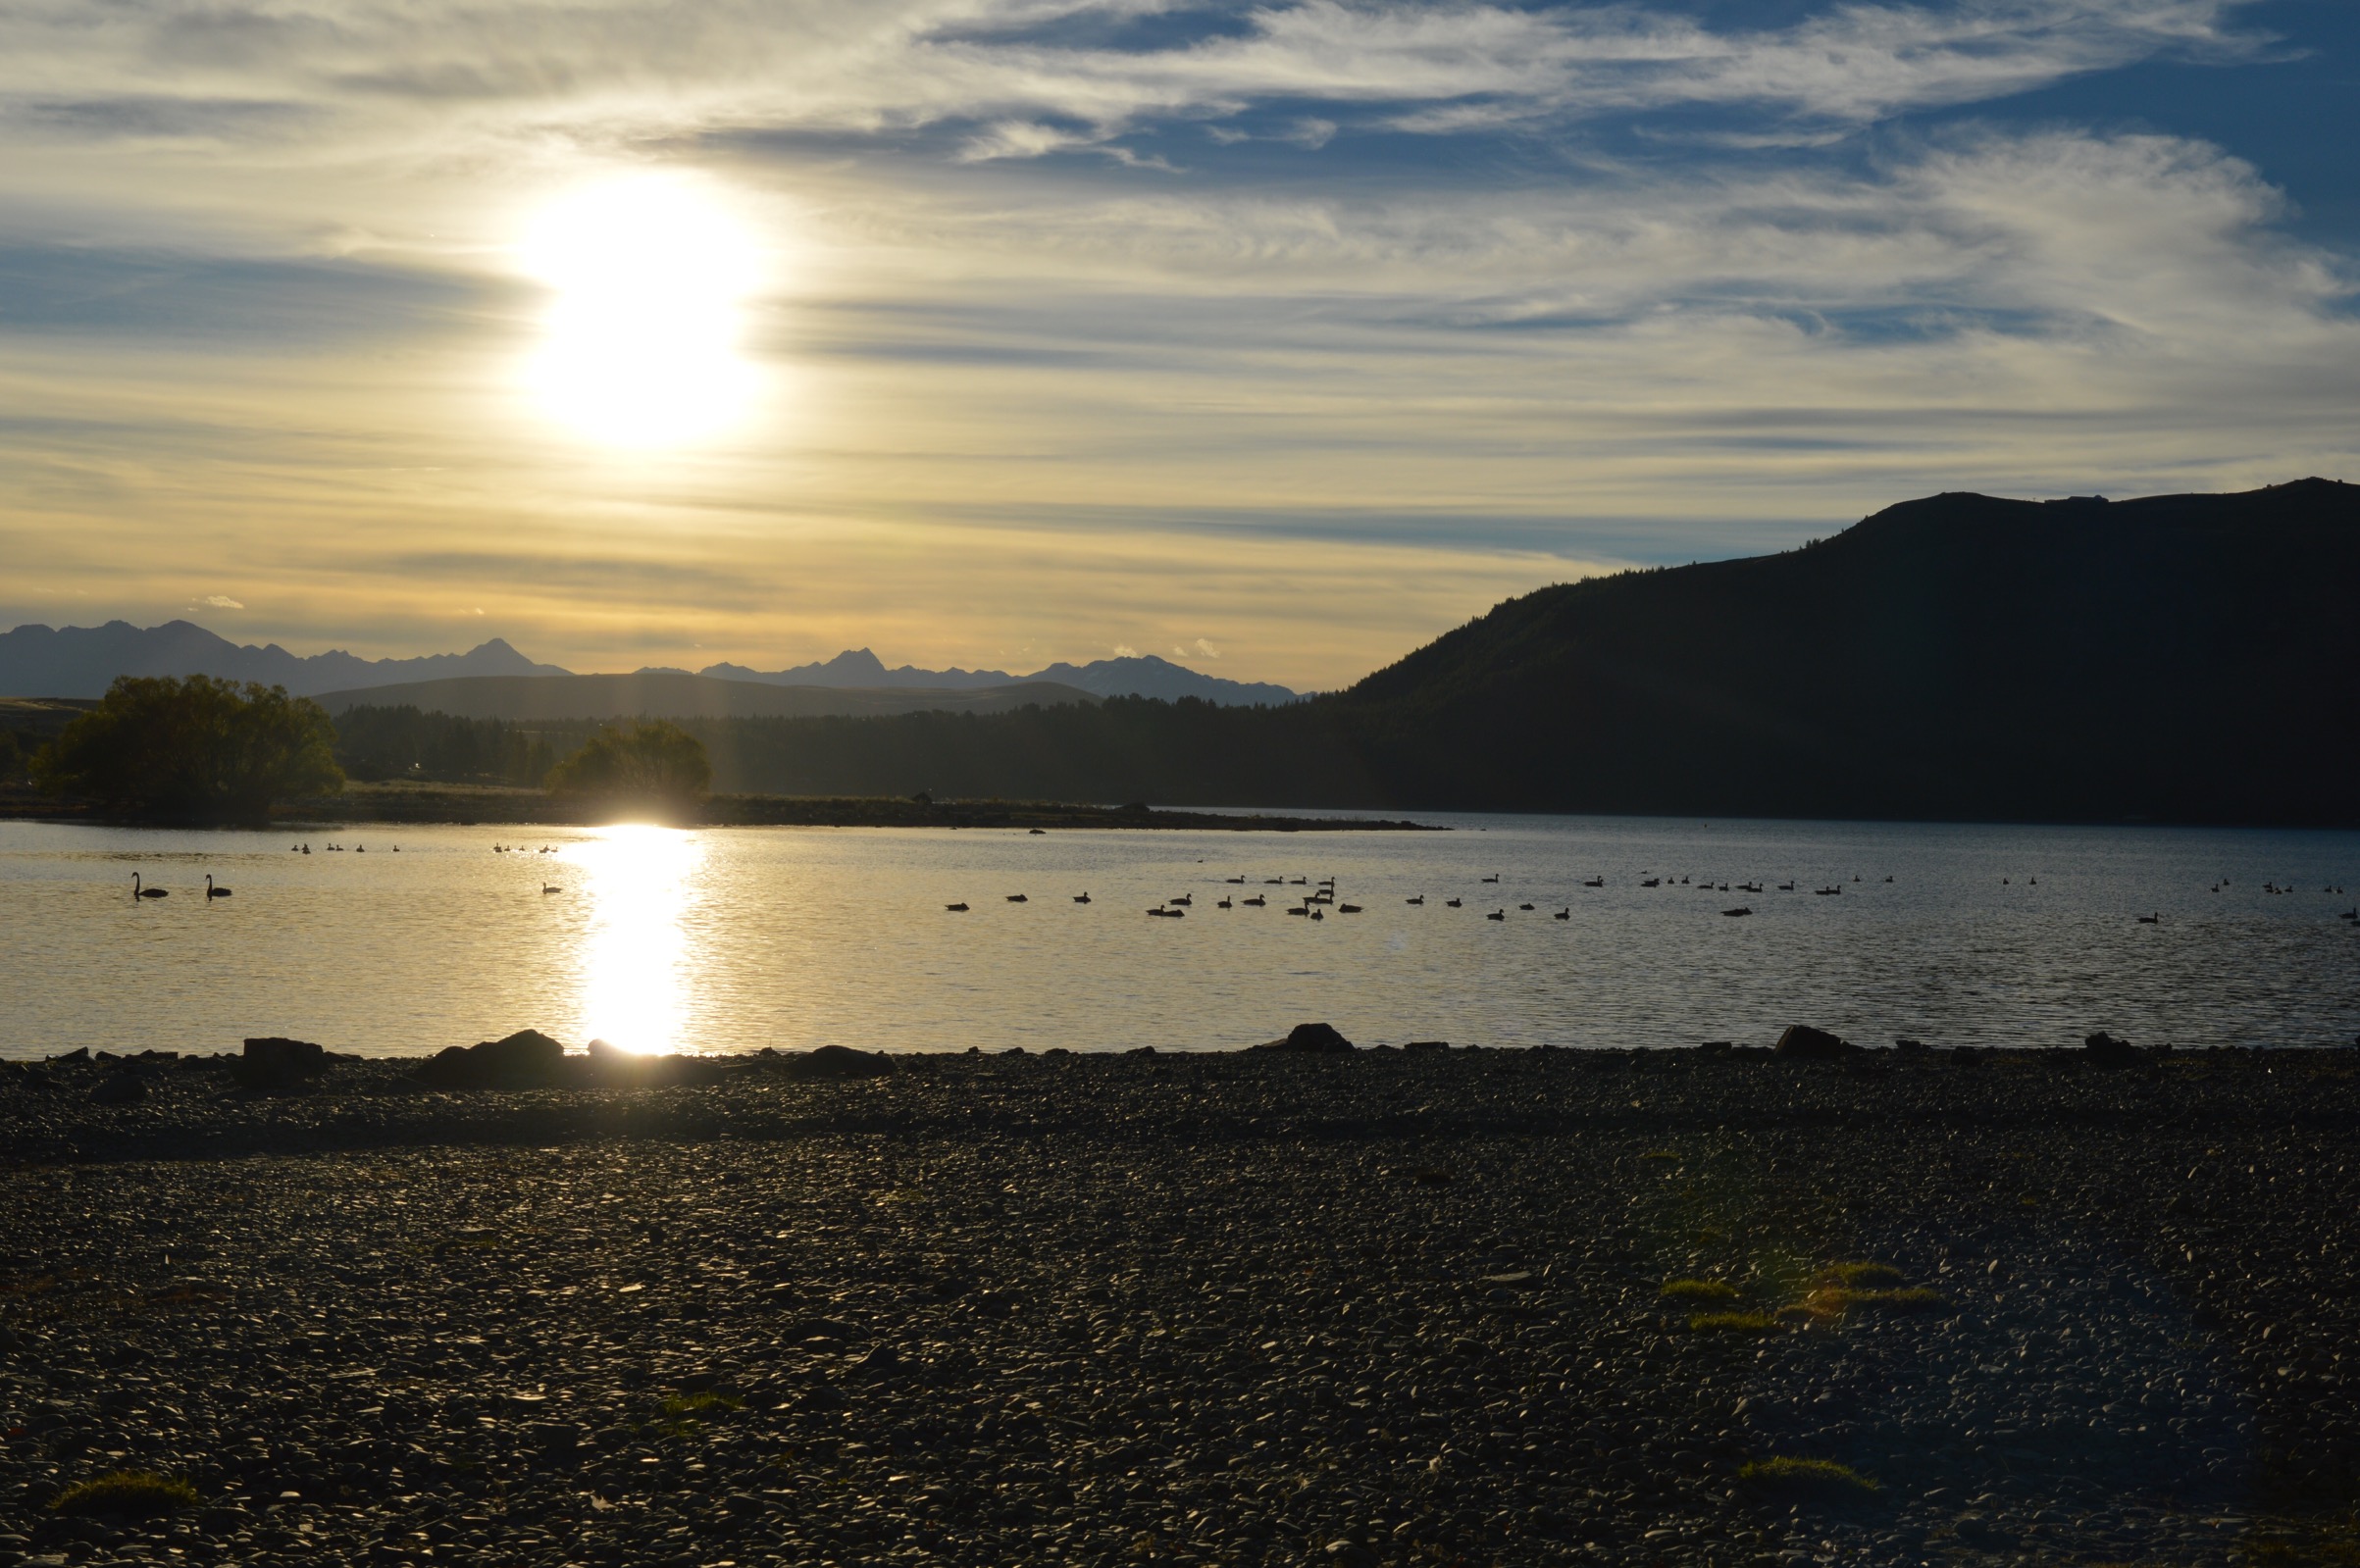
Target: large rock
x=526 y=1059
x=1317 y=1039
x=278 y=1066
x=120 y=1089
x=832 y=1061
x=613 y=1067
x=1803 y=1044
x=2105 y=1050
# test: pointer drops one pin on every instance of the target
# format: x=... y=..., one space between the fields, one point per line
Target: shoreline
x=472 y=805
x=1398 y=1307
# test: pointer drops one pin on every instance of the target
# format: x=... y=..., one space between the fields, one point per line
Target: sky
x=1272 y=338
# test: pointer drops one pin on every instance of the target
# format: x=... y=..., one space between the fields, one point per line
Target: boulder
x=278 y=1066
x=1803 y=1044
x=616 y=1067
x=526 y=1059
x=832 y=1062
x=2105 y=1050
x=1317 y=1039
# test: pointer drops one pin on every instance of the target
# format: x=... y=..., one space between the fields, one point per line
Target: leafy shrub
x=1698 y=1290
x=196 y=748
x=655 y=766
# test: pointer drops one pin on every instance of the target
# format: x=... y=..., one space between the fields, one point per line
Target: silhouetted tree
x=197 y=748
x=655 y=766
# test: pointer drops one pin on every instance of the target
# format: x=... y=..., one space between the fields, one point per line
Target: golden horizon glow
x=641 y=884
x=642 y=342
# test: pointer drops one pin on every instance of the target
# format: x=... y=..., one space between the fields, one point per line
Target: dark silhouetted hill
x=2184 y=658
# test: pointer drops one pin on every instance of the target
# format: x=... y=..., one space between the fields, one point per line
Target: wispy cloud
x=221 y=601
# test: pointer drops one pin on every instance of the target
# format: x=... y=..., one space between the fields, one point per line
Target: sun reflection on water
x=642 y=886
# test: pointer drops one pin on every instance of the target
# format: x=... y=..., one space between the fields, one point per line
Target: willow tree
x=654 y=768
x=196 y=749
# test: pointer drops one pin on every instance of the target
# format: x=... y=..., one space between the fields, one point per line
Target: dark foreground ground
x=1392 y=1307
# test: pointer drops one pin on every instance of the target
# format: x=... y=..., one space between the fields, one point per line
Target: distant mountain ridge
x=38 y=661
x=1130 y=676
x=678 y=694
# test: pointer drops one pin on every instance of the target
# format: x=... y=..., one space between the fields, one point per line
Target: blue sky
x=1280 y=337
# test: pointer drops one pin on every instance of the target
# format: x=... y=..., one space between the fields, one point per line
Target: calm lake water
x=412 y=938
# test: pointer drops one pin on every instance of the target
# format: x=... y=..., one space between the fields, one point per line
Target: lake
x=414 y=937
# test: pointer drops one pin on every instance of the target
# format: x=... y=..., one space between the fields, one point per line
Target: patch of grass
x=1863 y=1276
x=1659 y=1155
x=1824 y=1477
x=1698 y=1290
x=126 y=1495
x=694 y=1405
x=1833 y=1302
x=1733 y=1322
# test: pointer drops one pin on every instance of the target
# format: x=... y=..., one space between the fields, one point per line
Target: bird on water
x=211 y=892
x=138 y=891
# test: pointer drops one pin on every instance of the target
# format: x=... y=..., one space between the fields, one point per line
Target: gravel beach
x=1390 y=1307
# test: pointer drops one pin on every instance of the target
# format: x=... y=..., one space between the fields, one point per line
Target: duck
x=1651 y=882
x=1497 y=914
x=1491 y=879
x=2155 y=919
x=1300 y=909
x=1169 y=914
x=1258 y=901
x=1523 y=906
x=1419 y=900
x=1595 y=881
x=550 y=888
x=1081 y=899
x=1786 y=887
x=307 y=849
x=956 y=909
x=1018 y=898
x=138 y=891
x=1223 y=904
x=1185 y=901
x=1565 y=913
x=1274 y=881
x=1299 y=881
x=211 y=891
x=1319 y=914
x=1347 y=909
x=1739 y=910
x=1239 y=880
x=1453 y=903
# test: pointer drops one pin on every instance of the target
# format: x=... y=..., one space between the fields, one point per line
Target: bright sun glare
x=642 y=886
x=650 y=275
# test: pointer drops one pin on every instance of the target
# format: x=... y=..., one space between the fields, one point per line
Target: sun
x=649 y=276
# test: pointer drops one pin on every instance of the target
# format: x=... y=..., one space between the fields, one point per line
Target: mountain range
x=1130 y=676
x=2182 y=658
x=678 y=694
x=38 y=661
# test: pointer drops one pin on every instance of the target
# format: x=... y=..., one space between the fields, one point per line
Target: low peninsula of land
x=468 y=804
x=1411 y=1306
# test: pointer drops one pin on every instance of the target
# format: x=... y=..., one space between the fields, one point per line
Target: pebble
x=1215 y=1309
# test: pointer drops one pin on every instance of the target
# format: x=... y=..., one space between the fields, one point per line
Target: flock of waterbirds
x=1321 y=897
x=1318 y=901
